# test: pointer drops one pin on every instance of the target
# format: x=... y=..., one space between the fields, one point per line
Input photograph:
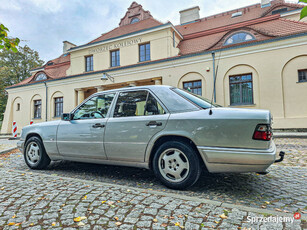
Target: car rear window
x=198 y=100
x=173 y=101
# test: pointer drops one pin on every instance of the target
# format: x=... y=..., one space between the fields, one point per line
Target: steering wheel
x=93 y=114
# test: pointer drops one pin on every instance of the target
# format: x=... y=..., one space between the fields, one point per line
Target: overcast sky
x=44 y=24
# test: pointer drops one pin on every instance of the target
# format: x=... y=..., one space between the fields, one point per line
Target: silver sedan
x=171 y=131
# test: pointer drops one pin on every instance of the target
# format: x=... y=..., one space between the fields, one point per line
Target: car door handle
x=154 y=123
x=98 y=125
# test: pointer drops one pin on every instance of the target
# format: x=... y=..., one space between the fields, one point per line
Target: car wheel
x=176 y=164
x=35 y=154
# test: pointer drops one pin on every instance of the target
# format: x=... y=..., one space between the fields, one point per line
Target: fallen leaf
x=155 y=220
x=171 y=217
x=60 y=210
x=17 y=224
x=164 y=225
x=103 y=201
x=110 y=203
x=267 y=202
x=2 y=188
x=11 y=224
x=116 y=218
x=263 y=206
x=14 y=216
x=31 y=224
x=216 y=222
x=177 y=224
x=22 y=174
x=84 y=198
x=277 y=209
x=180 y=216
x=223 y=216
x=118 y=223
x=78 y=219
x=81 y=224
x=53 y=224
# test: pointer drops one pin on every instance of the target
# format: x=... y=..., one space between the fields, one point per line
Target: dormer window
x=40 y=76
x=239 y=38
x=134 y=20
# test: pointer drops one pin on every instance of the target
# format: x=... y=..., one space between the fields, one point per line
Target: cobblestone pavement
x=296 y=150
x=284 y=189
x=7 y=144
x=31 y=200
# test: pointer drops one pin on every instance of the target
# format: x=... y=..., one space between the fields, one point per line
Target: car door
x=82 y=136
x=137 y=117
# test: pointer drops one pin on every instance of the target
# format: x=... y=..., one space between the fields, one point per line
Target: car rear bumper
x=237 y=160
x=20 y=145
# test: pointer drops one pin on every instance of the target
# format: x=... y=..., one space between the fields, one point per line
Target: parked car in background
x=168 y=130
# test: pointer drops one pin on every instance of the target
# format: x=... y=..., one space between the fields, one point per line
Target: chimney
x=265 y=3
x=66 y=46
x=189 y=15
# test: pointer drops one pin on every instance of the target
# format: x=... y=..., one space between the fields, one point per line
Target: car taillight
x=262 y=132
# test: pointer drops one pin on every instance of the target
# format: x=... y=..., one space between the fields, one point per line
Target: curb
x=290 y=136
x=8 y=150
x=173 y=195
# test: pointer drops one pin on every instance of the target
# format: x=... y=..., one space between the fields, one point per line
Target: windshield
x=196 y=99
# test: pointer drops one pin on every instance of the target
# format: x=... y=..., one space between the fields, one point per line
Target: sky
x=43 y=25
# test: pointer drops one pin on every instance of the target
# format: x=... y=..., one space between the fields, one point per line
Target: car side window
x=94 y=108
x=137 y=103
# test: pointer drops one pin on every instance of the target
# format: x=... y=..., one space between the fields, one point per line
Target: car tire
x=177 y=165
x=35 y=154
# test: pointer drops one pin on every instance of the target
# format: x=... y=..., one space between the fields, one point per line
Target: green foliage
x=15 y=67
x=304 y=10
x=6 y=42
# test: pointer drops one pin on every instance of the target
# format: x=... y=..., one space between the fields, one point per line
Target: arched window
x=134 y=20
x=40 y=76
x=239 y=38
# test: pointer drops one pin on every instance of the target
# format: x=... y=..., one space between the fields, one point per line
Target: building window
x=18 y=107
x=40 y=76
x=239 y=38
x=134 y=20
x=58 y=106
x=115 y=58
x=302 y=75
x=144 y=52
x=241 y=89
x=37 y=108
x=89 y=64
x=193 y=86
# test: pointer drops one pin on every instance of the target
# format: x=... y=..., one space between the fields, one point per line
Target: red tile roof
x=56 y=70
x=267 y=28
x=130 y=28
x=225 y=19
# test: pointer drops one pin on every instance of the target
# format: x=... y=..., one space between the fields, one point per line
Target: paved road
x=283 y=190
x=33 y=200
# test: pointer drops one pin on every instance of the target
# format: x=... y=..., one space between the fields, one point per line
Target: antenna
x=215 y=76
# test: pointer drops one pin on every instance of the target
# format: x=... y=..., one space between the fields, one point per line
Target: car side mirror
x=66 y=116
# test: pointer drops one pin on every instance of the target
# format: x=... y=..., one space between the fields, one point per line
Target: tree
x=15 y=67
x=6 y=42
x=304 y=10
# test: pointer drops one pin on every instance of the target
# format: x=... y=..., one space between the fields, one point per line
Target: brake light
x=262 y=132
